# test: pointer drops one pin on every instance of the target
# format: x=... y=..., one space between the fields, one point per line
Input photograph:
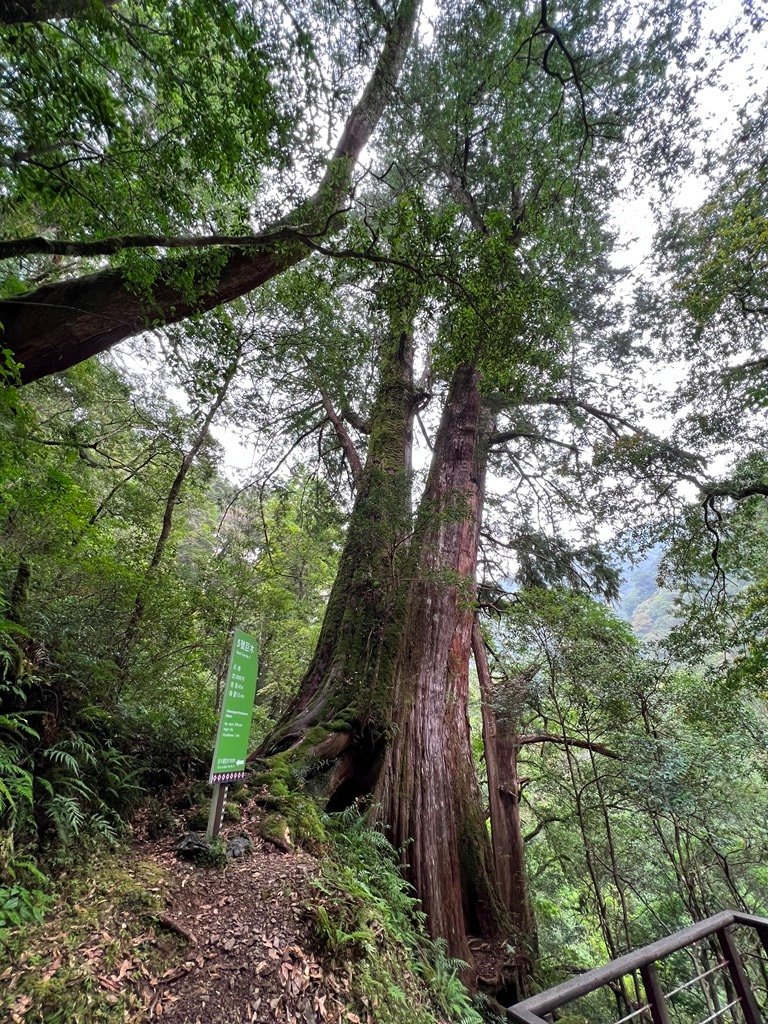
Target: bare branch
x=570 y=741
x=346 y=442
x=503 y=437
x=543 y=822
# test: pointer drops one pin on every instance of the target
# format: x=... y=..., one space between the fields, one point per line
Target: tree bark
x=481 y=902
x=58 y=325
x=347 y=445
x=383 y=708
x=11 y=666
x=501 y=747
x=427 y=787
x=342 y=710
x=19 y=596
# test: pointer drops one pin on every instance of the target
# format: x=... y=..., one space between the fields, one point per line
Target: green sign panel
x=236 y=711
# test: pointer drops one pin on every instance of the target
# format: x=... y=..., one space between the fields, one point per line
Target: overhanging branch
x=16 y=248
x=58 y=325
x=569 y=741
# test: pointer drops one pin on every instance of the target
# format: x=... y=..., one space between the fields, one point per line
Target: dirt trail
x=140 y=935
x=248 y=939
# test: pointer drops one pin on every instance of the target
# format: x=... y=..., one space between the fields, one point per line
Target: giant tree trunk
x=341 y=712
x=427 y=797
x=385 y=700
x=59 y=325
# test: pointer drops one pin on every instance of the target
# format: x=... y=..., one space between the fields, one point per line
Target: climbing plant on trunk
x=342 y=708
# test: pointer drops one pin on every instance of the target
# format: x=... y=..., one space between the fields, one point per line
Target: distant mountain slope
x=647 y=607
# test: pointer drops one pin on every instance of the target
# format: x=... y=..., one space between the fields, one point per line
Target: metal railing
x=652 y=1001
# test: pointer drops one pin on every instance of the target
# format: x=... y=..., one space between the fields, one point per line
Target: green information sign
x=236 y=711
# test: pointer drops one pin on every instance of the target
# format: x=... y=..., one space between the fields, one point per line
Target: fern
x=335 y=939
x=83 y=784
x=20 y=905
x=16 y=777
x=62 y=758
x=366 y=910
x=17 y=725
x=67 y=815
x=15 y=787
x=443 y=975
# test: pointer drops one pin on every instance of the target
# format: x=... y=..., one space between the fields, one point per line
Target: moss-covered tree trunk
x=427 y=797
x=338 y=719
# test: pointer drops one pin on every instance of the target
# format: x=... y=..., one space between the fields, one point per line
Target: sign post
x=229 y=753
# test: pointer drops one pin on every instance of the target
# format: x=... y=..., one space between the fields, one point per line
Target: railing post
x=654 y=994
x=739 y=977
x=762 y=932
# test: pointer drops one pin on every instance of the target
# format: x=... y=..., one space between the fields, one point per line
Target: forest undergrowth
x=277 y=935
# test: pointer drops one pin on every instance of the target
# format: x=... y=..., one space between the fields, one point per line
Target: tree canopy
x=384 y=248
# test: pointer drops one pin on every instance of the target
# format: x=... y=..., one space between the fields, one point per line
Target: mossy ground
x=281 y=788
x=96 y=953
x=327 y=931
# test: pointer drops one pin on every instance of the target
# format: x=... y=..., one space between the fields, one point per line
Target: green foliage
x=215 y=856
x=232 y=812
x=720 y=613
x=147 y=119
x=67 y=804
x=21 y=906
x=643 y=800
x=366 y=913
x=644 y=797
x=92 y=722
x=110 y=902
x=159 y=818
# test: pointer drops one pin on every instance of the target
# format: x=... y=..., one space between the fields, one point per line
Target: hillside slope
x=277 y=935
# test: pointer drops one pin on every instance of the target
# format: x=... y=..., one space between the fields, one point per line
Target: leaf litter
x=209 y=946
